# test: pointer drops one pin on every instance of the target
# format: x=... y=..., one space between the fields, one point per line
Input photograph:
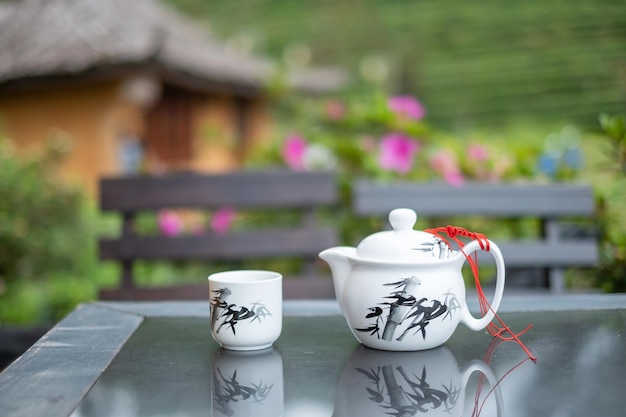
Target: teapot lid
x=402 y=244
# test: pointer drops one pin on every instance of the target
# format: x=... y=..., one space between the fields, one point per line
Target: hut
x=132 y=81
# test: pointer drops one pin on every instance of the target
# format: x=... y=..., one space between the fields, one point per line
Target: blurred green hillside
x=470 y=62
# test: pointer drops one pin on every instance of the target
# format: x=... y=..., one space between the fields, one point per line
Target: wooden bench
x=264 y=191
x=553 y=204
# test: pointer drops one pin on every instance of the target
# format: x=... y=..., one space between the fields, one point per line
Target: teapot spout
x=338 y=258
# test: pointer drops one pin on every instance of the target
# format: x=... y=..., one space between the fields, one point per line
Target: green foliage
x=471 y=62
x=614 y=128
x=349 y=136
x=38 y=223
x=612 y=275
x=47 y=254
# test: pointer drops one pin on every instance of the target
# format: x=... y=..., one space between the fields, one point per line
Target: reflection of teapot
x=405 y=384
x=403 y=289
x=247 y=383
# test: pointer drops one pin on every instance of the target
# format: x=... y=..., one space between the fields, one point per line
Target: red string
x=453 y=233
x=491 y=350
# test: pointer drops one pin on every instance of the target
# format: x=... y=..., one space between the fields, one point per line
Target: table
x=158 y=359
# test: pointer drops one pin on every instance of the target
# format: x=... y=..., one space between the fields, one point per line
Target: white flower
x=318 y=158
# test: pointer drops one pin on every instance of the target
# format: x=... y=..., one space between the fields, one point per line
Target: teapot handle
x=467 y=318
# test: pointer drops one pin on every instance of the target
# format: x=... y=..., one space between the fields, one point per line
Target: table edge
x=513 y=303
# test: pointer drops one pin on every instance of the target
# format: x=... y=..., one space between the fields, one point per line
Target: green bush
x=347 y=136
x=611 y=277
x=47 y=256
x=388 y=138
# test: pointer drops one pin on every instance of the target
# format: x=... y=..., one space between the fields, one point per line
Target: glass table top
x=172 y=367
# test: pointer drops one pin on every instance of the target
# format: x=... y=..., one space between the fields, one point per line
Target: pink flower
x=368 y=144
x=222 y=220
x=454 y=177
x=407 y=106
x=169 y=223
x=477 y=152
x=445 y=164
x=397 y=152
x=443 y=161
x=293 y=151
x=335 y=110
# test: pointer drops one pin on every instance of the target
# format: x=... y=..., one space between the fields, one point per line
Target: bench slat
x=490 y=200
x=522 y=254
x=305 y=242
x=548 y=203
x=293 y=288
x=242 y=190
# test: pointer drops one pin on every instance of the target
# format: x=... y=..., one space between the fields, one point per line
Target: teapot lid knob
x=402 y=219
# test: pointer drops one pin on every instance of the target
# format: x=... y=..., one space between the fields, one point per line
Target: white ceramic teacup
x=246 y=308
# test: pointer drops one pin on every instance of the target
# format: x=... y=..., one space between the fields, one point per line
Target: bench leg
x=127 y=275
x=557 y=280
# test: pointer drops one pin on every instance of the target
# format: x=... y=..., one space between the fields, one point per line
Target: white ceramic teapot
x=403 y=289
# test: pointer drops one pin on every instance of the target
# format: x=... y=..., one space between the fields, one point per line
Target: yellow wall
x=97 y=116
x=214 y=134
x=93 y=117
x=216 y=147
x=260 y=126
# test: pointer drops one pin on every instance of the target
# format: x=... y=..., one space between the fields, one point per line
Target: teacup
x=246 y=308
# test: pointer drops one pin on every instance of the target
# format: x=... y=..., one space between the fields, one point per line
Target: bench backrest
x=490 y=200
x=550 y=203
x=304 y=192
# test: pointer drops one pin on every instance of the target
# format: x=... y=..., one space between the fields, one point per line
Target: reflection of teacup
x=247 y=384
x=376 y=383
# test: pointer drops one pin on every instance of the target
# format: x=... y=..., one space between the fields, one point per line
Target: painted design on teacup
x=437 y=247
x=231 y=314
x=403 y=393
x=227 y=389
x=405 y=306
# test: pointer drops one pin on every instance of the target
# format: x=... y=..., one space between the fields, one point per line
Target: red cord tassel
x=452 y=232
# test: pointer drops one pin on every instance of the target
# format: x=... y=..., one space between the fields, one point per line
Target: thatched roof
x=43 y=39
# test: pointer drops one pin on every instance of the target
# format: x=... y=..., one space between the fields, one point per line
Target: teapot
x=403 y=289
